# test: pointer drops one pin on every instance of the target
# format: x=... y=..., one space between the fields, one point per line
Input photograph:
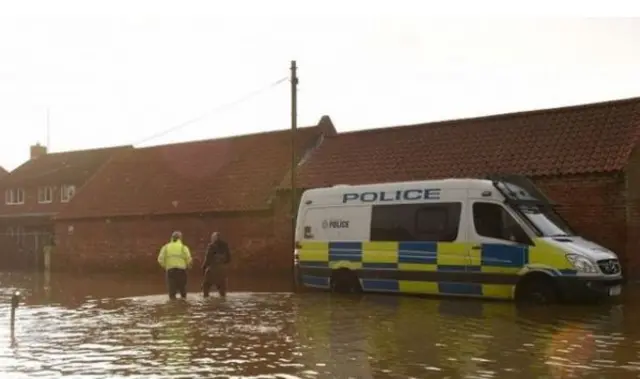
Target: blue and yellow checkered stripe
x=429 y=267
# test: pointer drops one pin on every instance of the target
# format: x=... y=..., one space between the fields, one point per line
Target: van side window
x=415 y=222
x=493 y=221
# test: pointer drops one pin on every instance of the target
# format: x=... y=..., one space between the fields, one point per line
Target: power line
x=217 y=109
x=174 y=128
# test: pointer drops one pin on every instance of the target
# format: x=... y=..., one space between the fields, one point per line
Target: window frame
x=14 y=196
x=446 y=208
x=20 y=196
x=64 y=192
x=44 y=191
x=505 y=210
x=9 y=196
x=414 y=230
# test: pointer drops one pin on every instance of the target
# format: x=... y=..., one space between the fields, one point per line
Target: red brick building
x=129 y=209
x=35 y=192
x=586 y=158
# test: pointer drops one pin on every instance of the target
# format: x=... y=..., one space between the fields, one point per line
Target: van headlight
x=582 y=264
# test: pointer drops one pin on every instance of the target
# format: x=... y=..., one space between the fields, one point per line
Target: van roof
x=451 y=183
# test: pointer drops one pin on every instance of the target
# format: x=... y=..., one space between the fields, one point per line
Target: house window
x=67 y=192
x=416 y=222
x=14 y=196
x=45 y=195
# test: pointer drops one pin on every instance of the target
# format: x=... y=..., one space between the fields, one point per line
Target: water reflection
x=110 y=327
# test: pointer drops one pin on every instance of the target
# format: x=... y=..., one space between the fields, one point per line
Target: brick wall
x=12 y=255
x=632 y=193
x=132 y=244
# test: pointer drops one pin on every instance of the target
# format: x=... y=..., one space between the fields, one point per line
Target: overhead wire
x=214 y=110
x=183 y=124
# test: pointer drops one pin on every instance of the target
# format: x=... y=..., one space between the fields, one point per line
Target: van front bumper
x=589 y=288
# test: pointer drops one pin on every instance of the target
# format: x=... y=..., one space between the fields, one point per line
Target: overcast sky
x=117 y=72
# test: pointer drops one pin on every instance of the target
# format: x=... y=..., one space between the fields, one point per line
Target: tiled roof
x=53 y=169
x=228 y=174
x=64 y=167
x=571 y=140
x=3 y=172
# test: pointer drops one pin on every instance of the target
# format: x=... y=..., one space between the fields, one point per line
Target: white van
x=496 y=238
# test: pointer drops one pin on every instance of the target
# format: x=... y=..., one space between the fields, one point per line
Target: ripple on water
x=279 y=335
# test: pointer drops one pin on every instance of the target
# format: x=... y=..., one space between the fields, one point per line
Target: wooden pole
x=294 y=163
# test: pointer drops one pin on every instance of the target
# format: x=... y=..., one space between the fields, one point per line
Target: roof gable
x=571 y=140
x=228 y=174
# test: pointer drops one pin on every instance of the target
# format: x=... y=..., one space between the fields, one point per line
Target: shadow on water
x=115 y=327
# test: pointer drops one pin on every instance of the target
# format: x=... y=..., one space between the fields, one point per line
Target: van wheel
x=345 y=281
x=537 y=289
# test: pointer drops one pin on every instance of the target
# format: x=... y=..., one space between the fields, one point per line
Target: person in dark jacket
x=215 y=266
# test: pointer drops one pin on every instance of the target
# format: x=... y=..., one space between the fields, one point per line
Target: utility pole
x=294 y=128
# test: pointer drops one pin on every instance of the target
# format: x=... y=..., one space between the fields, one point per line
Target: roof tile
x=54 y=169
x=571 y=140
x=66 y=166
x=229 y=174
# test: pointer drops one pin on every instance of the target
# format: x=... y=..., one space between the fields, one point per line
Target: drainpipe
x=627 y=219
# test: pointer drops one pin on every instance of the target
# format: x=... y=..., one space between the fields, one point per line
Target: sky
x=119 y=72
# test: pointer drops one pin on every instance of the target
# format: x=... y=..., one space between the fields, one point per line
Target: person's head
x=215 y=236
x=177 y=235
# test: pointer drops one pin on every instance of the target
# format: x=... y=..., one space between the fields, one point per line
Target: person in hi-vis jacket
x=175 y=259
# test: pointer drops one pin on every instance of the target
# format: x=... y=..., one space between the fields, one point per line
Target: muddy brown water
x=112 y=327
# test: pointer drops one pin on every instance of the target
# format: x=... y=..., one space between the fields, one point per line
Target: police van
x=498 y=237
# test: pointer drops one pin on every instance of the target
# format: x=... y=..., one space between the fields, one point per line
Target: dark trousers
x=177 y=282
x=215 y=275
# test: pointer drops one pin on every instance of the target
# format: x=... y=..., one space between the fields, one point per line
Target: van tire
x=537 y=288
x=345 y=281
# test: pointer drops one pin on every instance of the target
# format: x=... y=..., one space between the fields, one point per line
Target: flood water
x=110 y=327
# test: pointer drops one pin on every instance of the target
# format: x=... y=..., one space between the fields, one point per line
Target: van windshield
x=546 y=221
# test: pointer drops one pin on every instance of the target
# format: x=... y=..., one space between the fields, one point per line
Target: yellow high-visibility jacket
x=174 y=254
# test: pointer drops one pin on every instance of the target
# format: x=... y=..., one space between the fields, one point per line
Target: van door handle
x=476 y=247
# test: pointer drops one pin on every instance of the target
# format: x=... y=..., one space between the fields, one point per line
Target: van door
x=499 y=248
x=427 y=234
x=440 y=224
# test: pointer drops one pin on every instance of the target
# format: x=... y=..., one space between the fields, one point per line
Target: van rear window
x=416 y=222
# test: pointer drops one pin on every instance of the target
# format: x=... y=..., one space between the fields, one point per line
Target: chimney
x=38 y=150
x=326 y=126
